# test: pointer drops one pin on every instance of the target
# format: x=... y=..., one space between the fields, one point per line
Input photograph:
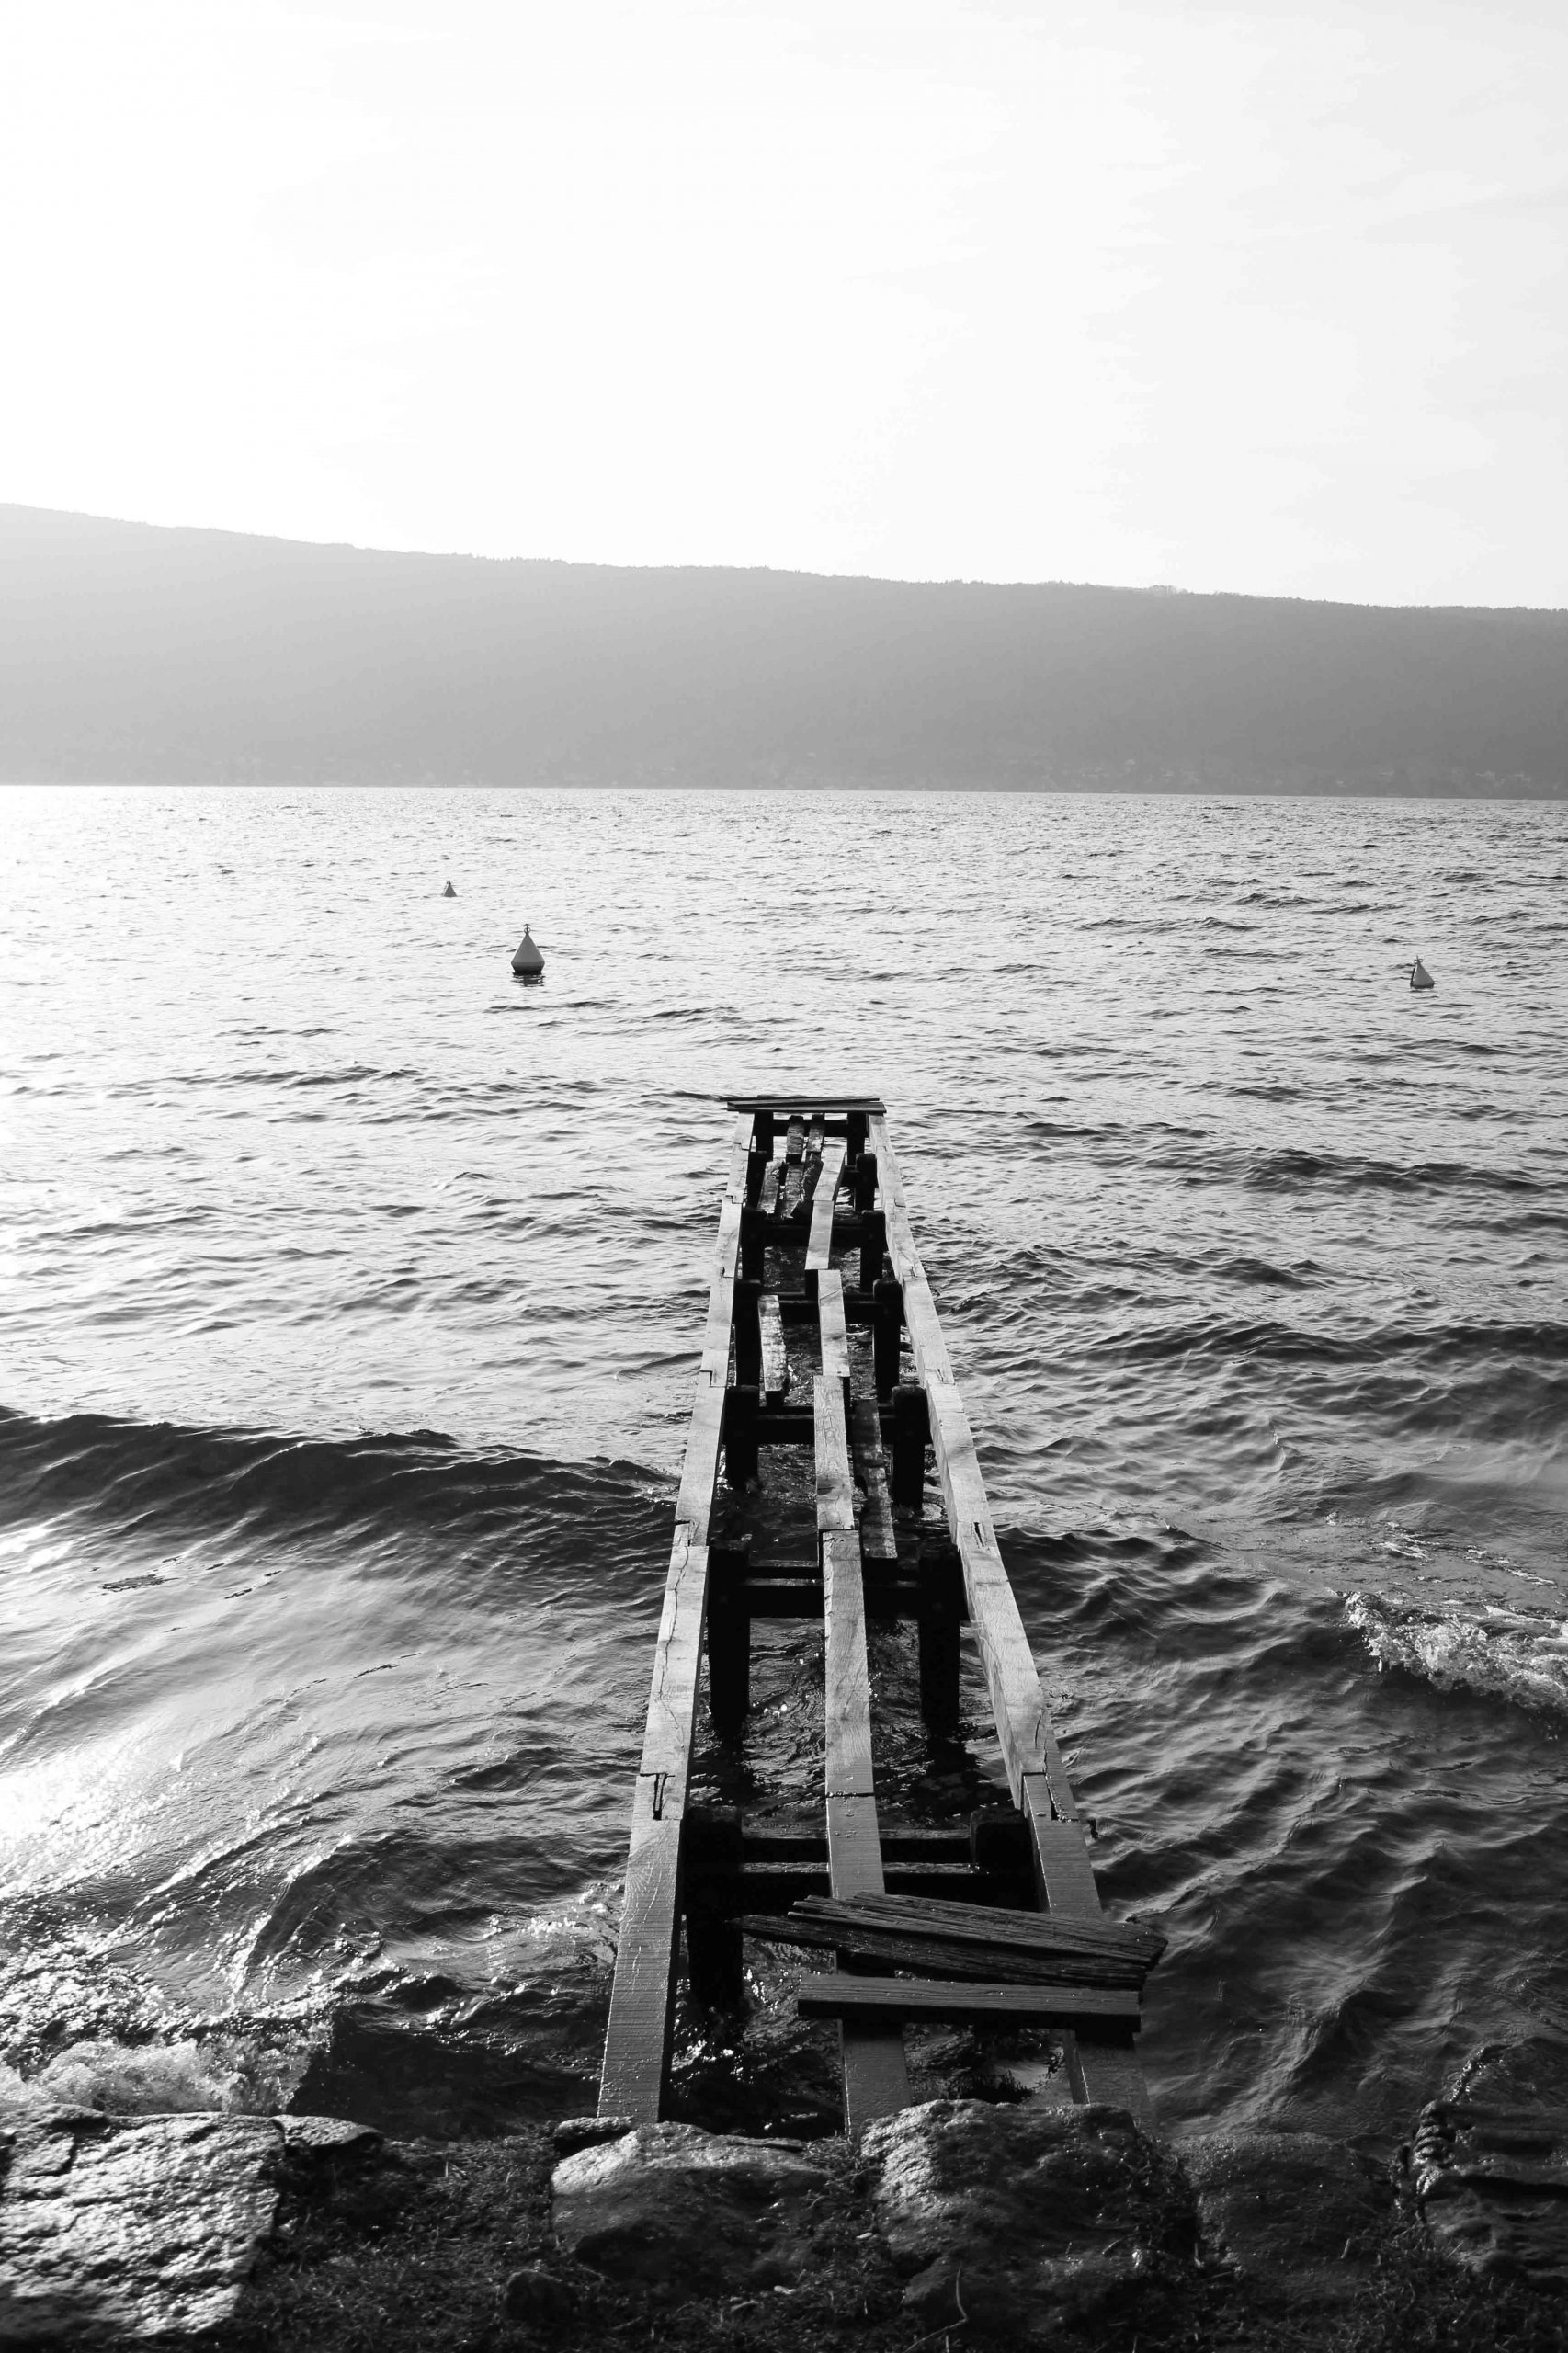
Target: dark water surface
x=350 y=1309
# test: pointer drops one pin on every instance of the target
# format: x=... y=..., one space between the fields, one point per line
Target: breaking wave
x=1514 y=1656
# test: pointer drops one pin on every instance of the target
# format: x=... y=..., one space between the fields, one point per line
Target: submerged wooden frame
x=838 y=1142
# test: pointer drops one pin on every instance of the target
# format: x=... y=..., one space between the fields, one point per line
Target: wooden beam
x=876 y=2081
x=775 y=1355
x=1023 y=1727
x=964 y=2003
x=786 y=1106
x=1104 y=2068
x=819 y=1248
x=834 y=1331
x=637 y=2040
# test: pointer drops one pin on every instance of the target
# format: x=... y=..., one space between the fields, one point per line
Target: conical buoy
x=1420 y=978
x=528 y=964
x=449 y=892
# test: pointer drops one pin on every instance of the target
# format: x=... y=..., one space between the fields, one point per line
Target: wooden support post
x=740 y=1434
x=756 y=1169
x=886 y=1332
x=873 y=1248
x=939 y=1615
x=748 y=1330
x=762 y=1134
x=754 y=1241
x=715 y=1964
x=729 y=1637
x=911 y=1431
x=866 y=1181
x=854 y=1128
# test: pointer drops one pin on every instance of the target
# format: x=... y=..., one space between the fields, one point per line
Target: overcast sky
x=1269 y=298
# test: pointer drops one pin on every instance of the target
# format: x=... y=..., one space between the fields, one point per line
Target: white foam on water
x=1515 y=1655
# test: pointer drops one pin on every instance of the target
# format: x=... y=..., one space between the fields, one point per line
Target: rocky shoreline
x=985 y=2223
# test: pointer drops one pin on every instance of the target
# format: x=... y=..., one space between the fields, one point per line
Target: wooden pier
x=995 y=1921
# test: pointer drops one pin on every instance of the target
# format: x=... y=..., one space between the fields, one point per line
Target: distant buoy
x=449 y=892
x=528 y=964
x=1420 y=978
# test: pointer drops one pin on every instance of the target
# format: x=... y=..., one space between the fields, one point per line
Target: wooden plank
x=876 y=2081
x=637 y=2039
x=1107 y=2069
x=1039 y=1932
x=1023 y=1727
x=786 y=1106
x=635 y=2073
x=878 y=1540
x=964 y=2003
x=834 y=1490
x=834 y=1332
x=819 y=1247
x=862 y=1942
x=775 y=1355
x=848 y=1683
x=772 y=1178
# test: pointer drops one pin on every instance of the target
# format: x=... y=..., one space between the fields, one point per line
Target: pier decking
x=995 y=1921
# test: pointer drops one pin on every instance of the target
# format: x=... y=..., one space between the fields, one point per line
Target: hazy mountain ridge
x=133 y=653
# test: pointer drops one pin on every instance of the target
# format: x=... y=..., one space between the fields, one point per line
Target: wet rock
x=113 y=2229
x=328 y=2140
x=533 y=2297
x=683 y=2213
x=1489 y=2165
x=1303 y=2219
x=1021 y=2219
x=574 y=2132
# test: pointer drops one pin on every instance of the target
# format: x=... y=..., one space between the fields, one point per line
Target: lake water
x=350 y=1312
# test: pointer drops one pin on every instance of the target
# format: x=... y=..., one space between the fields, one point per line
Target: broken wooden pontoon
x=997 y=1921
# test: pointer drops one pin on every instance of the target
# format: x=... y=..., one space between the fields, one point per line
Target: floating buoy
x=449 y=892
x=528 y=964
x=1420 y=978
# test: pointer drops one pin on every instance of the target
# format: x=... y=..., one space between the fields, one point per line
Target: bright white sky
x=1268 y=296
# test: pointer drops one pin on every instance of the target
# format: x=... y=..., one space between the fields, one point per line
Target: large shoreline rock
x=118 y=2228
x=685 y=2213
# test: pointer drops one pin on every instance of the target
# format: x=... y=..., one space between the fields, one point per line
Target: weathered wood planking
x=1036 y=1774
x=637 y=2052
x=789 y=1107
x=819 y=1247
x=1001 y=1923
x=834 y=1332
x=865 y=1945
x=775 y=1355
x=965 y=2003
x=937 y=1940
x=1023 y=1728
x=637 y=2039
x=876 y=2081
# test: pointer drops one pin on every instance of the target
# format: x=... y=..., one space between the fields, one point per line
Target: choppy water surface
x=350 y=1307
